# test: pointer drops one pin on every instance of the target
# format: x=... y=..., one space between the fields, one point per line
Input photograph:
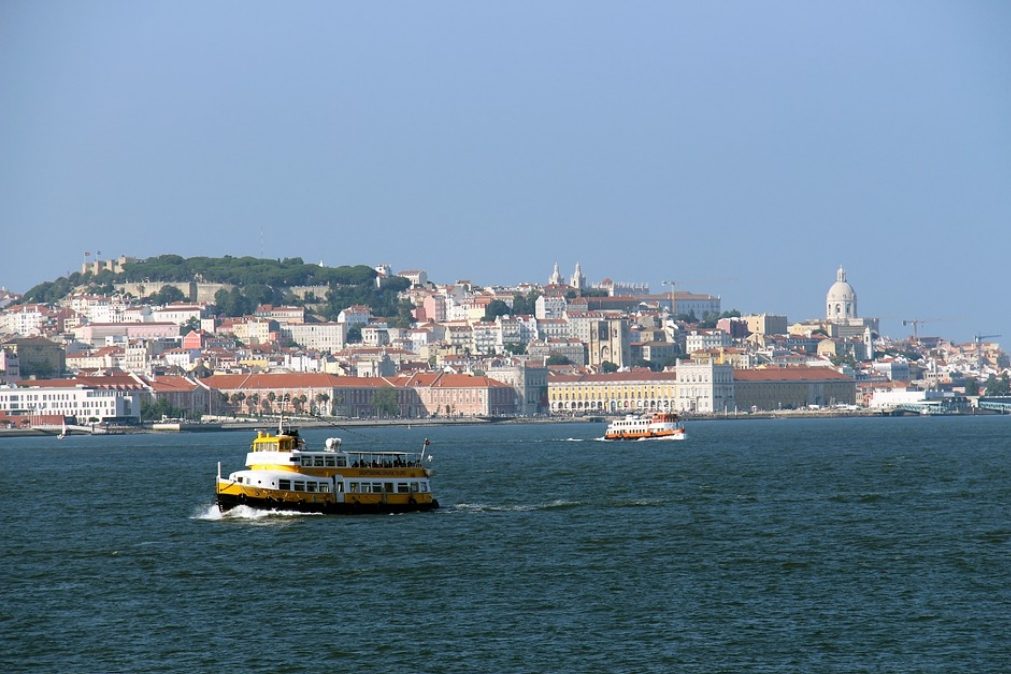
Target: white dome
x=841 y=299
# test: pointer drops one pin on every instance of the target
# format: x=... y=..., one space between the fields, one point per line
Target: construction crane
x=977 y=339
x=915 y=322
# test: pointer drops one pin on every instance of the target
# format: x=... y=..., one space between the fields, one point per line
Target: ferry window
x=424 y=486
x=318 y=461
x=389 y=487
x=306 y=460
x=340 y=487
x=330 y=461
x=284 y=484
x=377 y=487
x=299 y=486
x=353 y=486
x=342 y=461
x=324 y=487
x=402 y=488
x=310 y=486
x=414 y=487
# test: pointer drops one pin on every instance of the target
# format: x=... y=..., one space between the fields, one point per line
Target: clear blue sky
x=740 y=148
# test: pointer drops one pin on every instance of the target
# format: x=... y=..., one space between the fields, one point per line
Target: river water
x=828 y=545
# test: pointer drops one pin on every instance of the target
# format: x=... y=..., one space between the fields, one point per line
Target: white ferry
x=281 y=474
x=659 y=426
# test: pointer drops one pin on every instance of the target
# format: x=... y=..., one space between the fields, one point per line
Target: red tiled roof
x=447 y=380
x=789 y=374
x=289 y=381
x=612 y=377
x=170 y=383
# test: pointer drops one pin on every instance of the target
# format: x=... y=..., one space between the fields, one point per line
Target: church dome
x=841 y=299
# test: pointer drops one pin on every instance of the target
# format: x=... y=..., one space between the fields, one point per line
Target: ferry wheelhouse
x=659 y=426
x=282 y=474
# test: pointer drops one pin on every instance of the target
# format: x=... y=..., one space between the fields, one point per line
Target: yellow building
x=611 y=393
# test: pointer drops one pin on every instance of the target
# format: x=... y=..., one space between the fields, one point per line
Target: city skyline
x=744 y=151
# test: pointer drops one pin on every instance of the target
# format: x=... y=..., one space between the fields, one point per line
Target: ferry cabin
x=634 y=427
x=279 y=475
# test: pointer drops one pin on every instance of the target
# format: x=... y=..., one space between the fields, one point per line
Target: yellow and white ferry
x=659 y=426
x=281 y=474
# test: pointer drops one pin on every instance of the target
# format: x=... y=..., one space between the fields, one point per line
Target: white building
x=376 y=334
x=703 y=341
x=356 y=314
x=26 y=320
x=85 y=404
x=180 y=314
x=487 y=337
x=704 y=388
x=550 y=307
x=329 y=337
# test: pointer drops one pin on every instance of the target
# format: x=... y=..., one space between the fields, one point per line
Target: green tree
x=192 y=325
x=998 y=386
x=515 y=348
x=525 y=305
x=405 y=315
x=971 y=387
x=558 y=359
x=354 y=335
x=152 y=410
x=384 y=402
x=168 y=295
x=608 y=366
x=495 y=309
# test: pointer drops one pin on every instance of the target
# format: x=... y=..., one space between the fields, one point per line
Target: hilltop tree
x=495 y=309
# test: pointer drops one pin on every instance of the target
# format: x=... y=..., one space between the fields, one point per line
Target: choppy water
x=849 y=545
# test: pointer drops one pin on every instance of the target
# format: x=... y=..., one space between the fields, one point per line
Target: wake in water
x=573 y=440
x=212 y=513
x=518 y=508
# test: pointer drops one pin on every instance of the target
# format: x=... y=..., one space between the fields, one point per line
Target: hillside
x=256 y=281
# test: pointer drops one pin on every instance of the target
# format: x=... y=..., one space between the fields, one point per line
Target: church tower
x=578 y=280
x=841 y=299
x=556 y=277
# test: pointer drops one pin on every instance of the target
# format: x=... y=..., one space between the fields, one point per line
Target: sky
x=742 y=149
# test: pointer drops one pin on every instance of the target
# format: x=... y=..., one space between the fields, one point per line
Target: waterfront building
x=629 y=392
x=704 y=387
x=529 y=383
x=775 y=388
x=86 y=399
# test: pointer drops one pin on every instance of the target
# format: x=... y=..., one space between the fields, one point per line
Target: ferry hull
x=639 y=438
x=228 y=501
